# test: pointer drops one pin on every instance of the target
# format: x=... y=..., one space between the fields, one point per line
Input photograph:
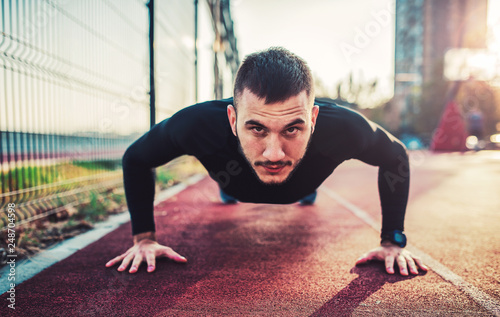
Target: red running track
x=290 y=260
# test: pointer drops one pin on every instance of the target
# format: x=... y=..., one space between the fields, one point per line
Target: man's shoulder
x=202 y=114
x=340 y=131
x=336 y=116
x=203 y=109
x=202 y=127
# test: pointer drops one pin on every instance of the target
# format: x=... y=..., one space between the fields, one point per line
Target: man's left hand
x=389 y=253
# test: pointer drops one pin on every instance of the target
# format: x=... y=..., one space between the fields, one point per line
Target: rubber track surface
x=289 y=260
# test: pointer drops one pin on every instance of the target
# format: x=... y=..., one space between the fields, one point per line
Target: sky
x=335 y=37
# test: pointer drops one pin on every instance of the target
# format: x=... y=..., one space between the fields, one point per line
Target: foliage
x=118 y=198
x=354 y=91
x=93 y=211
x=106 y=165
x=164 y=177
x=24 y=177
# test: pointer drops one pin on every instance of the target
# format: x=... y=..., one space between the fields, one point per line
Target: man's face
x=273 y=137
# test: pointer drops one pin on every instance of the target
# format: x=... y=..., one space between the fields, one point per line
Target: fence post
x=196 y=50
x=152 y=116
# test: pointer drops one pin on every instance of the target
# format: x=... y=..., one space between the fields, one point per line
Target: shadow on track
x=371 y=278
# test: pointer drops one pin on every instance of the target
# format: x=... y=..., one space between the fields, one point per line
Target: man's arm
x=153 y=149
x=382 y=149
x=389 y=154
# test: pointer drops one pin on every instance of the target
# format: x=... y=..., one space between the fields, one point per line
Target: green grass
x=118 y=198
x=28 y=238
x=30 y=176
x=164 y=177
x=99 y=165
x=94 y=211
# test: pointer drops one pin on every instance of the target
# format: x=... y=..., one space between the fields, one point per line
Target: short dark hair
x=275 y=74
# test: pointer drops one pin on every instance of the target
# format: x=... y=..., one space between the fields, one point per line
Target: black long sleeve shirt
x=203 y=130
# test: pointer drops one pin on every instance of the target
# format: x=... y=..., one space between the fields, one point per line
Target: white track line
x=486 y=301
x=34 y=265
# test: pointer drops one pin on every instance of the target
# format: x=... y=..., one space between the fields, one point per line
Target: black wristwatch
x=396 y=237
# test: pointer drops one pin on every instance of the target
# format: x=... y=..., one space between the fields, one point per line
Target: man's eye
x=291 y=130
x=257 y=129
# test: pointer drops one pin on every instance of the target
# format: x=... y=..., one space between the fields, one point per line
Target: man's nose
x=274 y=149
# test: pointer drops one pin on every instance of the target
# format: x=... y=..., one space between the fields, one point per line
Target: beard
x=274 y=183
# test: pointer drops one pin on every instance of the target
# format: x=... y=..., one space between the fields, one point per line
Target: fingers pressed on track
x=125 y=262
x=411 y=265
x=136 y=263
x=420 y=264
x=363 y=259
x=171 y=254
x=115 y=260
x=151 y=260
x=403 y=267
x=389 y=264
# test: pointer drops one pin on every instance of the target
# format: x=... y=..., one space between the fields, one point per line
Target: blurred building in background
x=425 y=30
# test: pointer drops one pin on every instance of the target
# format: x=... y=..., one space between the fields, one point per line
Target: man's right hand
x=145 y=249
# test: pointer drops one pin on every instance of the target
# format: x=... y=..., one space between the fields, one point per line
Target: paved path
x=290 y=260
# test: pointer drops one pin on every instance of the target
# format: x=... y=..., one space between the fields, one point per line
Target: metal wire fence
x=74 y=90
x=67 y=113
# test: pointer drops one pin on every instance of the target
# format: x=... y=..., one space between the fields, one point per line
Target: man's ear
x=231 y=115
x=314 y=116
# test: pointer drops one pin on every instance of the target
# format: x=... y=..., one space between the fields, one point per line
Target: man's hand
x=389 y=252
x=145 y=249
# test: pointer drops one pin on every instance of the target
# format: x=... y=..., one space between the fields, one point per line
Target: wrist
x=395 y=237
x=387 y=243
x=151 y=235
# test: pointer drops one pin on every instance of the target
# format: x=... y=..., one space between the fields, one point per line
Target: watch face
x=400 y=239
